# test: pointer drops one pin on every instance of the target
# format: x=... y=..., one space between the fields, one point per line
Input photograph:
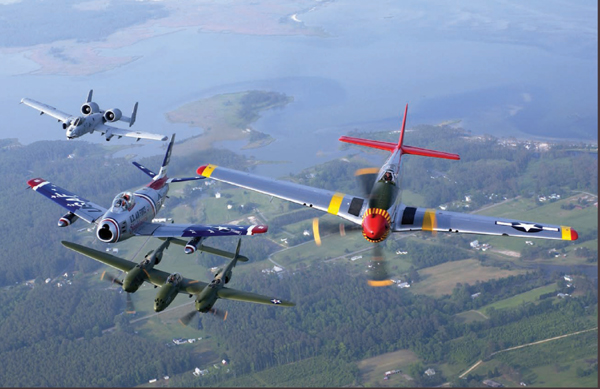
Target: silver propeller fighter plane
x=93 y=119
x=131 y=213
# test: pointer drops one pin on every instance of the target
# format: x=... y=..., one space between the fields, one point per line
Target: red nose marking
x=375 y=226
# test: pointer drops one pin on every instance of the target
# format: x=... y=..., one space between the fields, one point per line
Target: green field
x=372 y=370
x=520 y=299
x=470 y=317
x=441 y=279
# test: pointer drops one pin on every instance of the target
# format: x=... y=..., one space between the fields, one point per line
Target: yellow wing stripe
x=208 y=171
x=429 y=220
x=566 y=232
x=336 y=202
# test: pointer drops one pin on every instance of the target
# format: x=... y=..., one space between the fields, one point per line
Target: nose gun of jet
x=108 y=231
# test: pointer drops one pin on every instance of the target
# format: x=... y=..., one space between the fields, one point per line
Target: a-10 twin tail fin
x=393 y=147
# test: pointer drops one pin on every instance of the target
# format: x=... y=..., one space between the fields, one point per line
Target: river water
x=360 y=76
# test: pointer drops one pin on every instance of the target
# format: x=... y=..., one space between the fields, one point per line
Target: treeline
x=113 y=360
x=52 y=336
x=66 y=312
x=495 y=289
x=310 y=372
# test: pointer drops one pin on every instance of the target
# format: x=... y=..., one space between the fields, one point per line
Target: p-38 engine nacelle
x=90 y=108
x=112 y=115
x=67 y=219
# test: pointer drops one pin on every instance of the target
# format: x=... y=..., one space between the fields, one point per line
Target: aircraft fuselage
x=122 y=220
x=83 y=125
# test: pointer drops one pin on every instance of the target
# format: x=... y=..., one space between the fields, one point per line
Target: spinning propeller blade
x=129 y=307
x=378 y=274
x=111 y=278
x=187 y=318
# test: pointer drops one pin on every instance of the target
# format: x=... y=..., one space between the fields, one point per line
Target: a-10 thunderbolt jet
x=172 y=284
x=379 y=210
x=131 y=213
x=93 y=119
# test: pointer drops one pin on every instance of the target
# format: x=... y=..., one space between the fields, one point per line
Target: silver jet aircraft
x=131 y=213
x=93 y=119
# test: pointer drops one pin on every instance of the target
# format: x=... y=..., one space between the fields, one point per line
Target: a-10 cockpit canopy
x=124 y=201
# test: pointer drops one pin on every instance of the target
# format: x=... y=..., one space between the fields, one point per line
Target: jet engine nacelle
x=192 y=245
x=108 y=230
x=112 y=115
x=89 y=108
x=67 y=219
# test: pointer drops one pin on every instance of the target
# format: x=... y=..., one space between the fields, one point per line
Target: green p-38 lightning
x=172 y=284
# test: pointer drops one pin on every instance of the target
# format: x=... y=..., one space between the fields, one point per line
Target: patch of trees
x=254 y=101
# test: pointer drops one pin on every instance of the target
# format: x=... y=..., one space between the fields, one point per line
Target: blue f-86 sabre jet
x=131 y=213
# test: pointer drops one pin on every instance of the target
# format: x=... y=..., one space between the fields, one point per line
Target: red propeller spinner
x=376 y=225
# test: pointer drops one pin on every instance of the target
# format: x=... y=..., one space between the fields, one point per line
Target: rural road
x=525 y=345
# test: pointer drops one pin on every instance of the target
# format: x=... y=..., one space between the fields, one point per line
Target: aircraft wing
x=81 y=207
x=104 y=129
x=46 y=109
x=423 y=219
x=232 y=294
x=348 y=207
x=210 y=250
x=190 y=286
x=101 y=256
x=165 y=230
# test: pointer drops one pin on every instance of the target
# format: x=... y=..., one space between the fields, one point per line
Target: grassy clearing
x=441 y=279
x=470 y=317
x=522 y=298
x=372 y=370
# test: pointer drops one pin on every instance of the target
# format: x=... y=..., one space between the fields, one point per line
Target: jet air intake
x=108 y=231
x=113 y=114
x=89 y=108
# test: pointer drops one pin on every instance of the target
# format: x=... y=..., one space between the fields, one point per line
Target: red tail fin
x=401 y=140
x=392 y=147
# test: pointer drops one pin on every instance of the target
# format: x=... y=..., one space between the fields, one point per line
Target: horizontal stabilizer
x=375 y=144
x=144 y=169
x=182 y=179
x=428 y=153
